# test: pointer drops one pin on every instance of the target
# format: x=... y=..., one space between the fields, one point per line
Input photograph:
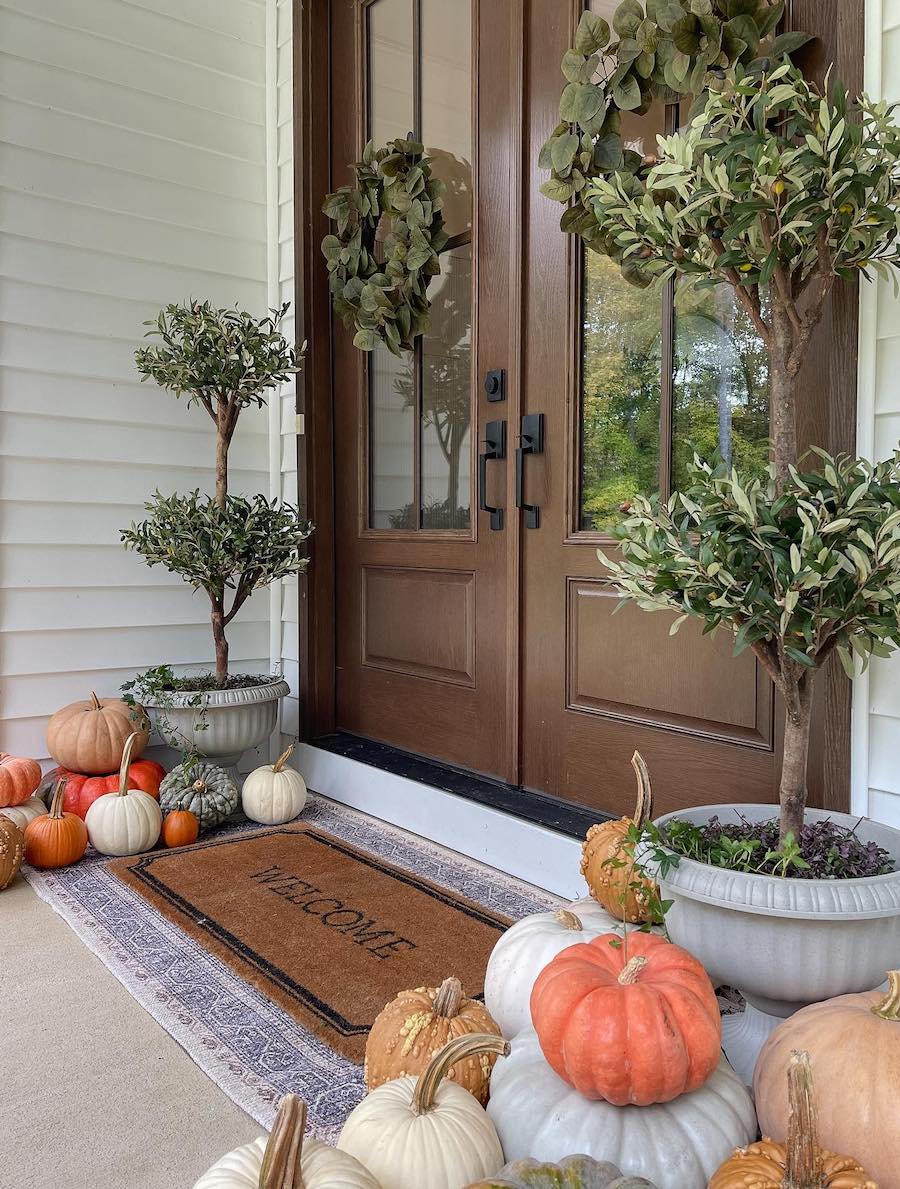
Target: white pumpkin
x=22 y=814
x=274 y=793
x=525 y=949
x=675 y=1145
x=426 y=1131
x=126 y=822
x=321 y=1167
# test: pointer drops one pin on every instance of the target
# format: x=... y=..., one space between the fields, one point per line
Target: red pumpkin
x=180 y=828
x=19 y=777
x=82 y=790
x=629 y=1022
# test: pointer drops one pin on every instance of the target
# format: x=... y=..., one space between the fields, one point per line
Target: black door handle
x=531 y=441
x=494 y=447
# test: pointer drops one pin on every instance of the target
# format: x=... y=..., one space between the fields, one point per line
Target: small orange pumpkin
x=416 y=1024
x=607 y=862
x=12 y=848
x=19 y=777
x=180 y=828
x=56 y=839
x=89 y=737
x=800 y=1162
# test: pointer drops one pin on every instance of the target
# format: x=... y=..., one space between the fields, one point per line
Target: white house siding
x=132 y=173
x=876 y=729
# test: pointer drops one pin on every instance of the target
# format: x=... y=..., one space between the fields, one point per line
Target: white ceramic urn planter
x=783 y=943
x=220 y=724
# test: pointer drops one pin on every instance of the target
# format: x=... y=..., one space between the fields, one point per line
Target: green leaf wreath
x=660 y=49
x=379 y=289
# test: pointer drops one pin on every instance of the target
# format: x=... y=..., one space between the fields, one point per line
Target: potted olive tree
x=224 y=544
x=780 y=192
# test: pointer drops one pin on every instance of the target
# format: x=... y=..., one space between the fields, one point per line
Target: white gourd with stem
x=22 y=814
x=274 y=793
x=128 y=821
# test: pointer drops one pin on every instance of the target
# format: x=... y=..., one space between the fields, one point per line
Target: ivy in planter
x=379 y=286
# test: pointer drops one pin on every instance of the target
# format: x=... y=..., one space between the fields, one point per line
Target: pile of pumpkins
x=105 y=794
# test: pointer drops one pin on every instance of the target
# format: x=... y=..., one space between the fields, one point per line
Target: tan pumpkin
x=799 y=1163
x=90 y=736
x=607 y=863
x=12 y=851
x=414 y=1026
x=854 y=1045
x=19 y=777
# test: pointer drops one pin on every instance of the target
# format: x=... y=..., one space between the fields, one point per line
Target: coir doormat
x=327 y=931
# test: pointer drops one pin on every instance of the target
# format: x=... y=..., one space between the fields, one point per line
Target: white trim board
x=528 y=851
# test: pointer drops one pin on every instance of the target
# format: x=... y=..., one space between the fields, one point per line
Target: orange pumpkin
x=19 y=777
x=607 y=860
x=180 y=828
x=90 y=736
x=800 y=1161
x=629 y=1020
x=82 y=790
x=410 y=1030
x=12 y=848
x=56 y=839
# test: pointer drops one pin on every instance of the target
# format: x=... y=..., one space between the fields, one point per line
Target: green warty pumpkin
x=575 y=1172
x=208 y=792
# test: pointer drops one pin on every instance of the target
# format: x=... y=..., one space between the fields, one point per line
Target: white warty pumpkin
x=321 y=1167
x=427 y=1132
x=127 y=822
x=526 y=948
x=274 y=793
x=675 y=1145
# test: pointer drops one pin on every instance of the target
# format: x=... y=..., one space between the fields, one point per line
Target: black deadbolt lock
x=495 y=384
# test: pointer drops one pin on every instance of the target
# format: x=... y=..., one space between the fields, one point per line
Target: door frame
x=839 y=25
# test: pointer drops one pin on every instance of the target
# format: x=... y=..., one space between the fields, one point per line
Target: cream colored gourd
x=675 y=1145
x=274 y=793
x=126 y=822
x=284 y=1160
x=525 y=949
x=24 y=813
x=427 y=1131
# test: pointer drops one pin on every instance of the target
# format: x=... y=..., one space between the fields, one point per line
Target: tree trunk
x=218 y=630
x=792 y=792
x=782 y=410
x=221 y=466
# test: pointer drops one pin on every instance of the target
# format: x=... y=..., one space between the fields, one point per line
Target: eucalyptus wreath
x=659 y=49
x=379 y=290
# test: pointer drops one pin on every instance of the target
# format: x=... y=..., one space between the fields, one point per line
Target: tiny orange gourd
x=55 y=839
x=180 y=828
x=607 y=861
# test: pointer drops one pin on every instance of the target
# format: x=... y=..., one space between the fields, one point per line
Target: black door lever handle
x=494 y=447
x=531 y=441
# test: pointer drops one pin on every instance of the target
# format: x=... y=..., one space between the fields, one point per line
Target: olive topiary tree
x=227 y=545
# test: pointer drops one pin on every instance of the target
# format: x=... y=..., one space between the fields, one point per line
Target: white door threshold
x=528 y=851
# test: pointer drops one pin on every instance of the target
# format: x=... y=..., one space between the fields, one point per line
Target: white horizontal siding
x=133 y=159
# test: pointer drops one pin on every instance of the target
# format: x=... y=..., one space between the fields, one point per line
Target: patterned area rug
x=252 y=1048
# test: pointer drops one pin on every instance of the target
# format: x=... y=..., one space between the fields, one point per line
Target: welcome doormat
x=327 y=931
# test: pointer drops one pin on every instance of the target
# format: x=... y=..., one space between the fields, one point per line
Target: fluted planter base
x=221 y=724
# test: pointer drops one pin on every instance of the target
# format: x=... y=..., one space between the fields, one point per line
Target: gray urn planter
x=783 y=943
x=224 y=723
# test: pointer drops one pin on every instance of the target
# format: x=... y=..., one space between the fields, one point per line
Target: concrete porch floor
x=94 y=1093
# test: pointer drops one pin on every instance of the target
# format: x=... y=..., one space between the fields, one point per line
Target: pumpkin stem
x=568 y=919
x=804 y=1157
x=282 y=759
x=199 y=786
x=644 y=805
x=281 y=1160
x=889 y=1008
x=448 y=998
x=96 y=704
x=440 y=1064
x=126 y=763
x=632 y=969
x=56 y=801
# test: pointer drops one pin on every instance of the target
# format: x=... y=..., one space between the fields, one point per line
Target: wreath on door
x=379 y=285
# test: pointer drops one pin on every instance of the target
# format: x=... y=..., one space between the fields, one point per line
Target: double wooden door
x=476 y=477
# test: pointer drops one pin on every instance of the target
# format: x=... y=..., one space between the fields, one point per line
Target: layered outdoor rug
x=231 y=1022
x=325 y=930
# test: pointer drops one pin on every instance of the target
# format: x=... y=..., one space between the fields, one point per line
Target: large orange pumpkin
x=854 y=1045
x=19 y=777
x=55 y=839
x=89 y=736
x=631 y=1020
x=82 y=790
x=607 y=860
